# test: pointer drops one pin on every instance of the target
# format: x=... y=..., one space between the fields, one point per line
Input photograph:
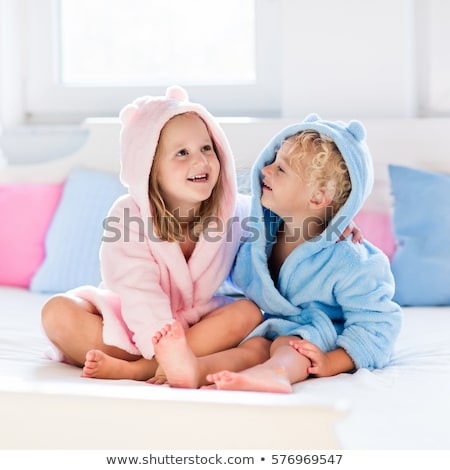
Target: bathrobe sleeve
x=371 y=319
x=130 y=270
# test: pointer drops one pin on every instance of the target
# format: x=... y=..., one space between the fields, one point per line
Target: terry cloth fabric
x=146 y=282
x=332 y=294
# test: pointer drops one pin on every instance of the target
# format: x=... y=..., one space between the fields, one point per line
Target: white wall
x=348 y=57
x=340 y=58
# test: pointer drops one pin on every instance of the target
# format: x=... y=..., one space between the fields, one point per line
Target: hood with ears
x=142 y=122
x=350 y=140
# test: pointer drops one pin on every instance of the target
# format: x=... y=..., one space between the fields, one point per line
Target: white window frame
x=47 y=101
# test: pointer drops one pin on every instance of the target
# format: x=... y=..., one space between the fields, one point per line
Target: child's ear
x=321 y=198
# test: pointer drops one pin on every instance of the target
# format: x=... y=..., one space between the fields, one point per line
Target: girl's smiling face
x=186 y=163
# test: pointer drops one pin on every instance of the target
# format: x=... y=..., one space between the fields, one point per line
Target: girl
x=167 y=247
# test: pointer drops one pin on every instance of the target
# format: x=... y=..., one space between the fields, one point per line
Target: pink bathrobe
x=146 y=282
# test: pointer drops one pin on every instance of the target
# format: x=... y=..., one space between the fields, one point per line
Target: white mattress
x=45 y=404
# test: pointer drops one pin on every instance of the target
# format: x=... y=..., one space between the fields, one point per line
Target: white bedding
x=47 y=405
x=404 y=406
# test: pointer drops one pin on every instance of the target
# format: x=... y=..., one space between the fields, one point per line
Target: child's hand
x=355 y=231
x=159 y=378
x=319 y=360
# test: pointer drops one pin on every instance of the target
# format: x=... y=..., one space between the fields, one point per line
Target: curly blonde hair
x=167 y=227
x=325 y=167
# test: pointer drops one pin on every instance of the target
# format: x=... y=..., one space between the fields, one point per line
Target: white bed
x=47 y=405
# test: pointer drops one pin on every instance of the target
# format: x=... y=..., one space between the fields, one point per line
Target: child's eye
x=280 y=169
x=207 y=148
x=182 y=153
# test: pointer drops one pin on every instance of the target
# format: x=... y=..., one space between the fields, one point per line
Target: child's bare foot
x=176 y=357
x=257 y=379
x=99 y=365
x=159 y=378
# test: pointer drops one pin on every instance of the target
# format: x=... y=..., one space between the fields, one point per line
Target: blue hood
x=350 y=140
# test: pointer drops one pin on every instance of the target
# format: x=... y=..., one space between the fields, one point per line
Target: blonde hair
x=324 y=165
x=167 y=227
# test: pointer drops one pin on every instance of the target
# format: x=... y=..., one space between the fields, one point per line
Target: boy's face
x=186 y=162
x=285 y=190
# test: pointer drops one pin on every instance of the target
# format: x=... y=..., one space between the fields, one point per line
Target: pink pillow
x=377 y=228
x=26 y=211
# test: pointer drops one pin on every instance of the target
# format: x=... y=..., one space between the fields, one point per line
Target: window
x=133 y=45
x=93 y=56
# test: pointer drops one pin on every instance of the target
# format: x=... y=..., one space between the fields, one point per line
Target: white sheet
x=404 y=406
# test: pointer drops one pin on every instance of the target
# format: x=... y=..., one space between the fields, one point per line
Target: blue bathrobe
x=336 y=295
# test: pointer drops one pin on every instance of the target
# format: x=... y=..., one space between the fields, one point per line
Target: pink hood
x=142 y=122
x=147 y=282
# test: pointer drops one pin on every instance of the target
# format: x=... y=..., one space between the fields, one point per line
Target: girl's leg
x=284 y=368
x=184 y=369
x=75 y=326
x=224 y=328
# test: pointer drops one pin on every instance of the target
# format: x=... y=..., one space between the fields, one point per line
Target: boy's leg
x=75 y=326
x=224 y=328
x=184 y=369
x=277 y=374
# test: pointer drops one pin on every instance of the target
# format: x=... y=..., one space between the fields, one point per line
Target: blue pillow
x=73 y=239
x=421 y=262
